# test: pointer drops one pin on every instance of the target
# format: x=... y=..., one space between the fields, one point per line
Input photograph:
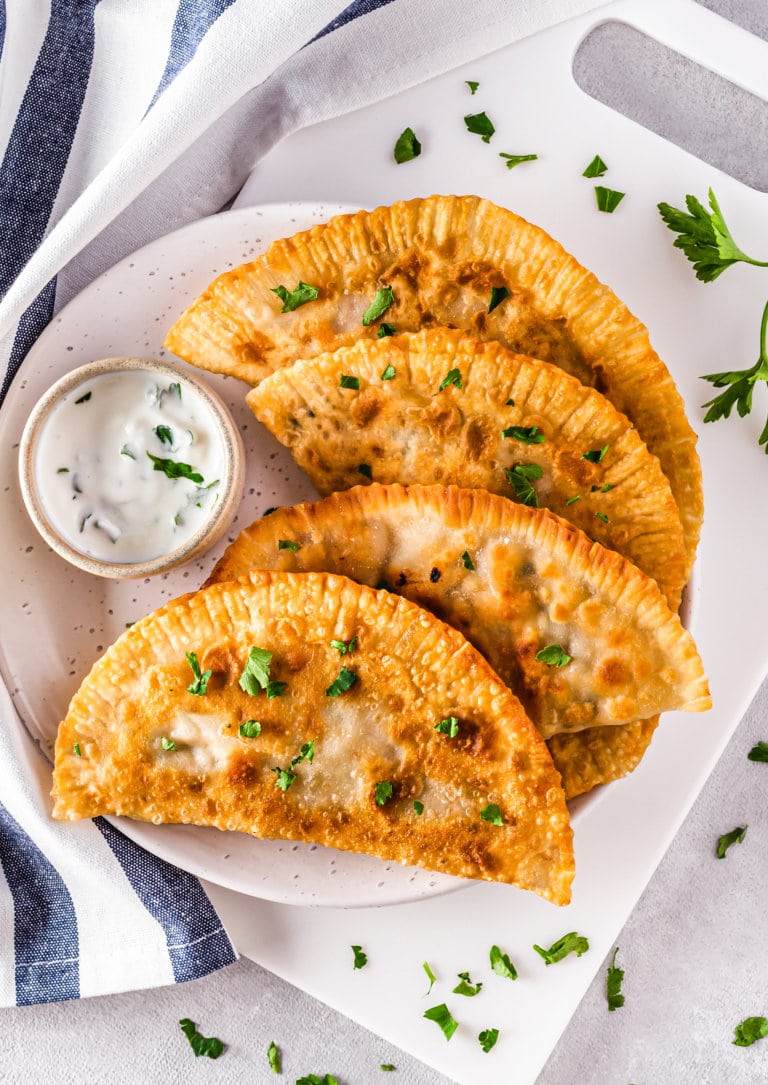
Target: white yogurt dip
x=128 y=465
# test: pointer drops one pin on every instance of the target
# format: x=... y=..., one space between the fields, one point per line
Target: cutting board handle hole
x=673 y=96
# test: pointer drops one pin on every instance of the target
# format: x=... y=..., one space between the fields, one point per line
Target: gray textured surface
x=693 y=949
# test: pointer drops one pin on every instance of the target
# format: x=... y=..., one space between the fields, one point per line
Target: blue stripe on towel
x=45 y=924
x=197 y=942
x=2 y=27
x=34 y=320
x=350 y=13
x=194 y=18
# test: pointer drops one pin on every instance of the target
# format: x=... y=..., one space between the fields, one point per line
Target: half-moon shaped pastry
x=459 y=261
x=440 y=406
x=318 y=710
x=515 y=581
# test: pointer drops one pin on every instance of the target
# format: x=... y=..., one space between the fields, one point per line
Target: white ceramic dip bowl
x=130 y=467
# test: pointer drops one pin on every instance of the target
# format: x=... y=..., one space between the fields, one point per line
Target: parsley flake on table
x=488 y=1038
x=365 y=469
x=315 y=1079
x=739 y=385
x=273 y=1058
x=453 y=376
x=704 y=238
x=759 y=752
x=407 y=146
x=529 y=435
x=480 y=124
x=292 y=299
x=467 y=561
x=472 y=84
x=466 y=986
x=345 y=681
x=84 y=398
x=167 y=743
x=608 y=199
x=613 y=981
x=384 y=792
x=172 y=470
x=288 y=544
x=596 y=168
x=384 y=332
x=378 y=307
x=519 y=478
x=569 y=943
x=750 y=1030
x=492 y=814
x=345 y=647
x=361 y=958
x=209 y=1046
x=498 y=295
x=554 y=656
x=430 y=976
x=501 y=964
x=449 y=726
x=349 y=382
x=441 y=1015
x=418 y=807
x=735 y=836
x=595 y=455
x=255 y=676
x=513 y=160
x=200 y=685
x=76 y=750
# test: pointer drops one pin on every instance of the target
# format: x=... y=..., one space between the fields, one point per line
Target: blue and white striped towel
x=121 y=120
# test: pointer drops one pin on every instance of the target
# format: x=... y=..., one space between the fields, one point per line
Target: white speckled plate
x=55 y=621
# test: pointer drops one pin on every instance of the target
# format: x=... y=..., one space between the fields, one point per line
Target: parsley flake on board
x=65 y=470
x=513 y=160
x=76 y=750
x=167 y=743
x=345 y=681
x=466 y=986
x=418 y=807
x=365 y=469
x=554 y=656
x=430 y=976
x=84 y=398
x=345 y=647
x=384 y=792
x=613 y=981
x=288 y=544
x=501 y=964
x=492 y=814
x=250 y=729
x=519 y=478
x=449 y=726
x=488 y=1038
x=529 y=435
x=569 y=943
x=596 y=168
x=441 y=1015
x=735 y=836
x=750 y=1030
x=361 y=958
x=759 y=752
x=467 y=561
x=164 y=434
x=175 y=470
x=255 y=676
x=704 y=238
x=608 y=199
x=200 y=685
x=595 y=455
x=292 y=299
x=378 y=307
x=453 y=376
x=209 y=1046
x=387 y=1066
x=315 y=1079
x=349 y=382
x=739 y=385
x=407 y=146
x=273 y=1057
x=384 y=332
x=498 y=295
x=472 y=84
x=480 y=124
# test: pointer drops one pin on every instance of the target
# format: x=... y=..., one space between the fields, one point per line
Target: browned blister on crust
x=407 y=430
x=534 y=581
x=442 y=256
x=411 y=671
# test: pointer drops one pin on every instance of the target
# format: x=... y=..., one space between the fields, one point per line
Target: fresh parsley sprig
x=705 y=238
x=739 y=386
x=209 y=1046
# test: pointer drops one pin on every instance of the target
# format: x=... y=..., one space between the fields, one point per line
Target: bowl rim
x=222 y=513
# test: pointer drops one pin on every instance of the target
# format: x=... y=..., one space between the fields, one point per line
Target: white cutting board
x=529 y=93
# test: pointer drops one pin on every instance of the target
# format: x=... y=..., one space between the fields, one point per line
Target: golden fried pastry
x=599 y=755
x=317 y=709
x=458 y=261
x=440 y=406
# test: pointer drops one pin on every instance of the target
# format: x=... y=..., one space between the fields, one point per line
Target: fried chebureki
x=441 y=406
x=514 y=580
x=446 y=261
x=351 y=737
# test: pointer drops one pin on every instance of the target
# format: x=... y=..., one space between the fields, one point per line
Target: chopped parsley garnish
x=596 y=455
x=387 y=1066
x=613 y=981
x=569 y=943
x=750 y=1030
x=84 y=398
x=418 y=807
x=345 y=647
x=284 y=778
x=573 y=500
x=434 y=575
x=209 y=1046
x=608 y=199
x=510 y=403
x=349 y=382
x=345 y=681
x=441 y=1015
x=65 y=470
x=554 y=656
x=407 y=146
x=467 y=561
x=288 y=544
x=529 y=435
x=596 y=168
x=306 y=753
x=276 y=689
x=365 y=469
x=519 y=479
x=501 y=964
x=250 y=729
x=449 y=726
x=124 y=451
x=513 y=160
x=164 y=434
x=175 y=470
x=739 y=385
x=255 y=676
x=292 y=299
x=480 y=124
x=453 y=376
x=498 y=295
x=603 y=517
x=174 y=389
x=472 y=84
x=430 y=976
x=384 y=332
x=314 y=1079
x=759 y=752
x=492 y=813
x=361 y=959
x=735 y=836
x=466 y=986
x=273 y=1057
x=378 y=307
x=488 y=1038
x=76 y=750
x=200 y=685
x=704 y=238
x=384 y=792
x=167 y=743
